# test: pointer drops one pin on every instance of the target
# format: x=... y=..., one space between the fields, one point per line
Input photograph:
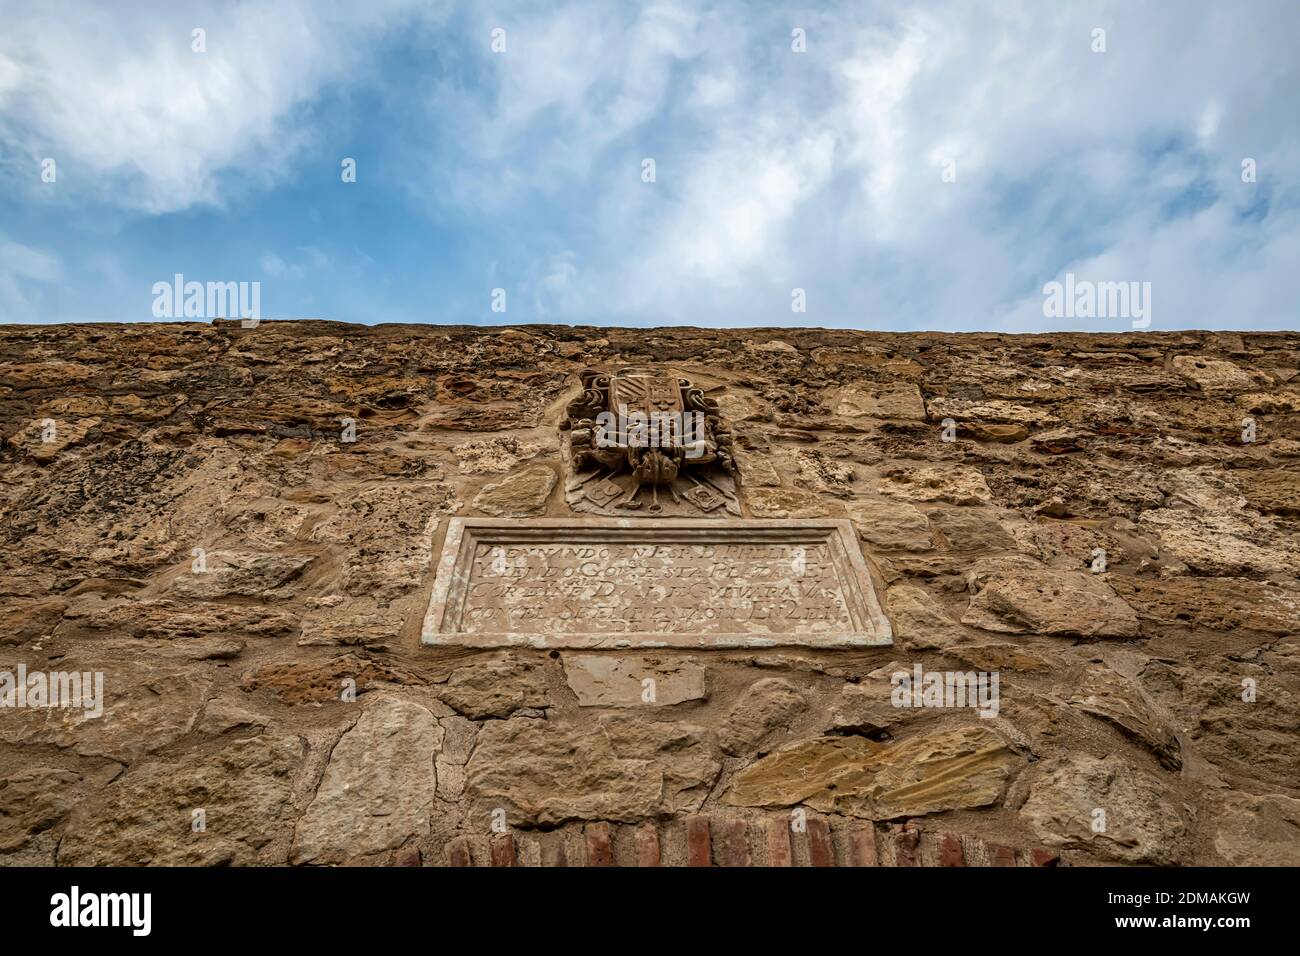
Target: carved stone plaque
x=659 y=582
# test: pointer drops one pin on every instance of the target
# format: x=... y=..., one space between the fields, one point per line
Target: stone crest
x=644 y=441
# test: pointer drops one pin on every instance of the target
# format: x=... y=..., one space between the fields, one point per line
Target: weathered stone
x=987 y=411
x=1225 y=702
x=33 y=800
x=147 y=818
x=221 y=716
x=604 y=681
x=891 y=525
x=758 y=470
x=143 y=710
x=1058 y=441
x=1212 y=375
x=893 y=400
x=519 y=495
x=165 y=620
x=371 y=628
x=971 y=530
x=459 y=740
x=767 y=705
x=954 y=769
x=1111 y=697
x=377 y=788
x=817 y=471
x=44 y=444
x=865 y=707
x=542 y=772
x=1003 y=434
x=496 y=688
x=919 y=621
x=323 y=682
x=1220 y=543
x=174 y=436
x=240 y=575
x=386 y=535
x=1258 y=830
x=784 y=503
x=1223 y=604
x=493 y=456
x=1051 y=602
x=955 y=484
x=1142 y=823
x=1273 y=490
x=27 y=621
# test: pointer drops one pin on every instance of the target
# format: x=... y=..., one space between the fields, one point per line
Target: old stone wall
x=1108 y=524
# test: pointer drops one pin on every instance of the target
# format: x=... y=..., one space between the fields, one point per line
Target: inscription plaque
x=629 y=582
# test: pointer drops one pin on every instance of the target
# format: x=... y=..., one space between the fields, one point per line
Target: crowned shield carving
x=643 y=441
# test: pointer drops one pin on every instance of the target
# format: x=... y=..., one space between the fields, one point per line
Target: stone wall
x=1089 y=517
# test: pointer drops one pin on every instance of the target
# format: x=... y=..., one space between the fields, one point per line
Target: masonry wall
x=1107 y=523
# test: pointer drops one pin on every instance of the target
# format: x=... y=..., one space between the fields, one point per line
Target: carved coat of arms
x=643 y=440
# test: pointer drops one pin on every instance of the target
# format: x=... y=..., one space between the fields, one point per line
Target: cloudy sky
x=913 y=166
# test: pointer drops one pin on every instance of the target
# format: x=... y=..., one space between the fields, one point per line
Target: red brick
x=950 y=851
x=503 y=850
x=820 y=850
x=906 y=841
x=778 y=843
x=1000 y=854
x=697 y=842
x=1039 y=856
x=598 y=849
x=458 y=852
x=863 y=843
x=731 y=843
x=407 y=856
x=647 y=845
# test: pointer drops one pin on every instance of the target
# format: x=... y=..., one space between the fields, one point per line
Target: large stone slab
x=626 y=582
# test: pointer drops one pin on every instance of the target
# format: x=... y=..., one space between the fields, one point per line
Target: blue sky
x=917 y=166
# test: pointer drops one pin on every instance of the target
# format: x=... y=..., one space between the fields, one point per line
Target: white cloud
x=823 y=169
x=775 y=169
x=138 y=119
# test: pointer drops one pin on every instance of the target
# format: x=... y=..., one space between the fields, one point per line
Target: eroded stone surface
x=767 y=706
x=1142 y=823
x=1031 y=601
x=496 y=688
x=954 y=769
x=146 y=817
x=610 y=681
x=1258 y=830
x=518 y=496
x=542 y=772
x=1113 y=698
x=377 y=789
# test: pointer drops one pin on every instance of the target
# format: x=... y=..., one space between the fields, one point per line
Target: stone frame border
x=870 y=626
